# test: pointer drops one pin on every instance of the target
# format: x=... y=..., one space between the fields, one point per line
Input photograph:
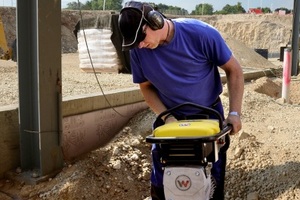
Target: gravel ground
x=75 y=81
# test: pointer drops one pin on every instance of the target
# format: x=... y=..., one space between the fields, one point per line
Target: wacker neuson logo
x=183 y=182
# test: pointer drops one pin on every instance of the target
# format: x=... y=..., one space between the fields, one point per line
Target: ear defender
x=155 y=20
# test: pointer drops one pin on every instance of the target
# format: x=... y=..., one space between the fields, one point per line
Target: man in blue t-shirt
x=176 y=61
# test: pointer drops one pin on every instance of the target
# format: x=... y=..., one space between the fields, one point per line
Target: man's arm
x=235 y=84
x=150 y=95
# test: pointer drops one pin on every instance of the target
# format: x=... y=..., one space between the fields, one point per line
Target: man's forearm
x=235 y=91
x=151 y=98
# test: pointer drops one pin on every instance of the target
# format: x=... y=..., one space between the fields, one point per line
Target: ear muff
x=155 y=20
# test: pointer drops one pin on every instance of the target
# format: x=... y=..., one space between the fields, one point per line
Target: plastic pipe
x=287 y=65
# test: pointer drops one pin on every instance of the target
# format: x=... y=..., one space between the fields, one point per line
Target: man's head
x=133 y=17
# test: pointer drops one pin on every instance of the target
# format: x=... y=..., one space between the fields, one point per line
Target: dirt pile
x=269 y=31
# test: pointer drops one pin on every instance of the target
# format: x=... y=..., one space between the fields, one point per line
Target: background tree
x=109 y=4
x=74 y=5
x=87 y=6
x=228 y=9
x=162 y=7
x=97 y=5
x=203 y=9
x=166 y=9
x=266 y=10
x=200 y=9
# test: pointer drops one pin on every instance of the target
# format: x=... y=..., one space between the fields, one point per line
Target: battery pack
x=188 y=128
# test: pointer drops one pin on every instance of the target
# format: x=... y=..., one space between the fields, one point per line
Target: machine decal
x=185 y=124
x=183 y=182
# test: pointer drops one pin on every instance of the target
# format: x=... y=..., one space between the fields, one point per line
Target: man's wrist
x=234 y=113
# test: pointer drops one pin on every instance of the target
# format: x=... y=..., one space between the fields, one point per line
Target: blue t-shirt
x=186 y=69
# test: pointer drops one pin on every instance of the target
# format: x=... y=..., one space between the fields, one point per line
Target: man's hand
x=235 y=121
x=169 y=119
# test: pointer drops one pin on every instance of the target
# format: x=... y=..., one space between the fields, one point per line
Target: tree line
x=200 y=9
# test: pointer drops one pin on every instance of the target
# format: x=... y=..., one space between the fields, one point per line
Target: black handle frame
x=224 y=129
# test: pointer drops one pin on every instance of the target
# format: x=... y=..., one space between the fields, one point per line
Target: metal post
x=295 y=38
x=286 y=78
x=39 y=67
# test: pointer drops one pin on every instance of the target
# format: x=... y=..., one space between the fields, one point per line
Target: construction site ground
x=263 y=159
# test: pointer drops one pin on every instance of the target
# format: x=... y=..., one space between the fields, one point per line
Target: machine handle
x=227 y=128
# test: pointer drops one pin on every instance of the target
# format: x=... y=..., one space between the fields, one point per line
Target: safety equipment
x=153 y=18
